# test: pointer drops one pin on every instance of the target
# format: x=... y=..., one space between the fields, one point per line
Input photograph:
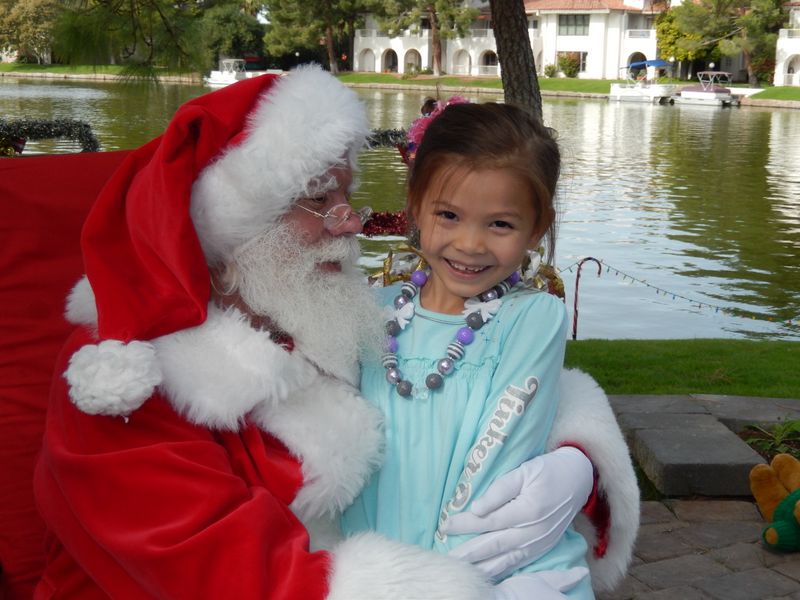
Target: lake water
x=693 y=211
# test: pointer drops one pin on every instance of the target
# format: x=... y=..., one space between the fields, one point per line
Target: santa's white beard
x=333 y=317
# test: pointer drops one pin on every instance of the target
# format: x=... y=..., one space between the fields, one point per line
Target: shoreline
x=195 y=78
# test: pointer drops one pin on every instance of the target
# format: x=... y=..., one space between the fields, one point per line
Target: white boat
x=710 y=91
x=232 y=70
x=644 y=87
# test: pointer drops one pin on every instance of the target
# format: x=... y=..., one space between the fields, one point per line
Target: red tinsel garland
x=386 y=223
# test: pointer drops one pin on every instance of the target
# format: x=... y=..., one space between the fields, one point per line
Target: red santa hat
x=228 y=166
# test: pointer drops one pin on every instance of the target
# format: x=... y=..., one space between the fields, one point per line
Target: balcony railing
x=789 y=33
x=487 y=70
x=640 y=33
x=481 y=33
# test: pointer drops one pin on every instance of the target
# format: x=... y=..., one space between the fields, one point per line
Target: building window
x=533 y=24
x=573 y=24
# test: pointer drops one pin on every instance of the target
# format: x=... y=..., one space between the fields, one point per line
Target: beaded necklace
x=477 y=311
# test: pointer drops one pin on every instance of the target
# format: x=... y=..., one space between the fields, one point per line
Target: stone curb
x=688 y=445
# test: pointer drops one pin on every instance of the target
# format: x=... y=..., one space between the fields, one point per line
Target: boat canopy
x=658 y=63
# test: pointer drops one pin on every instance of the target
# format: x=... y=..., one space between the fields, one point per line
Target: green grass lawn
x=66 y=69
x=702 y=366
x=555 y=84
x=779 y=93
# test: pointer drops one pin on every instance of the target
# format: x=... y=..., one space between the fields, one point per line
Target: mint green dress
x=494 y=412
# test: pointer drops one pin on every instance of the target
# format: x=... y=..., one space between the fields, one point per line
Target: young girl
x=469 y=383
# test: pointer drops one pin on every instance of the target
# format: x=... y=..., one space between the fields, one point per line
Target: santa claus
x=204 y=420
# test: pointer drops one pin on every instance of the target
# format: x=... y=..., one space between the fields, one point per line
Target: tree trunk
x=329 y=48
x=436 y=43
x=520 y=84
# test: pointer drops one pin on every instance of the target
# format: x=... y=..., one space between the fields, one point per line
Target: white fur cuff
x=370 y=566
x=112 y=378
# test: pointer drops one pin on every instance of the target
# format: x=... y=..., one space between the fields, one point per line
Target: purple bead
x=465 y=336
x=419 y=278
x=400 y=301
x=513 y=279
x=391 y=344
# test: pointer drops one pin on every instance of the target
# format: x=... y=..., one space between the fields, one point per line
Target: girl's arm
x=610 y=517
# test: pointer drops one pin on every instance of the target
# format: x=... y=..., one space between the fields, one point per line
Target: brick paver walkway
x=706 y=550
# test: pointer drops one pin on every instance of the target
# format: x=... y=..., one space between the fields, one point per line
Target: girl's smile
x=475 y=226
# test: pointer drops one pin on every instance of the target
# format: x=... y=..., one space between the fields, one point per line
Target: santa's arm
x=610 y=520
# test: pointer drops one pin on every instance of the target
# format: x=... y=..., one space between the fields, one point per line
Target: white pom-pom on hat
x=112 y=378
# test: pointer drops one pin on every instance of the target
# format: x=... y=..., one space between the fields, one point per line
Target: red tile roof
x=575 y=5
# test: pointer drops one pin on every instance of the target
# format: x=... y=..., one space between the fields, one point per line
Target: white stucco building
x=787 y=52
x=603 y=35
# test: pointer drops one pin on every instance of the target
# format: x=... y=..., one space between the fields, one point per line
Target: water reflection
x=697 y=202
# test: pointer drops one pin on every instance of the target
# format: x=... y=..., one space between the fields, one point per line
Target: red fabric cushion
x=43 y=202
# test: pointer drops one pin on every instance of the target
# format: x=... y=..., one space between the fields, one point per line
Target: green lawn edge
x=546 y=84
x=694 y=366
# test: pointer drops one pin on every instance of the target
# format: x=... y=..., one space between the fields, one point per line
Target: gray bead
x=400 y=301
x=393 y=328
x=489 y=295
x=474 y=321
x=393 y=375
x=404 y=388
x=433 y=381
x=445 y=366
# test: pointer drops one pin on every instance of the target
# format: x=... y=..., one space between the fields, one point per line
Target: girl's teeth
x=459 y=267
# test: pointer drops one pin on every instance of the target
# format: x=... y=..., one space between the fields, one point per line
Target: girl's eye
x=447 y=214
x=502 y=225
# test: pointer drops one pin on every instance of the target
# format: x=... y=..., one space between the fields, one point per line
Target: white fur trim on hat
x=585 y=418
x=370 y=566
x=305 y=124
x=112 y=378
x=215 y=373
x=81 y=308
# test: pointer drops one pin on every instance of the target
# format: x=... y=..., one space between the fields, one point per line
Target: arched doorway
x=366 y=61
x=462 y=63
x=412 y=62
x=792 y=71
x=487 y=64
x=389 y=62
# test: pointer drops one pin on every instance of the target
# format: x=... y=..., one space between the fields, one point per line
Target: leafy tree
x=710 y=28
x=446 y=19
x=139 y=33
x=670 y=37
x=230 y=31
x=518 y=69
x=28 y=27
x=307 y=24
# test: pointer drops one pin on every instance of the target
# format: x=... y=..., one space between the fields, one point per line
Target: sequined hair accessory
x=416 y=132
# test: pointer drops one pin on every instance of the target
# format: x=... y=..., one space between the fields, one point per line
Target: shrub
x=550 y=70
x=569 y=64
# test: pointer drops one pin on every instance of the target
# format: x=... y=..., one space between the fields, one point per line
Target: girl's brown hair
x=490 y=136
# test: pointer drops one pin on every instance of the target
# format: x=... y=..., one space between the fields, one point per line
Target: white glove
x=526 y=511
x=543 y=585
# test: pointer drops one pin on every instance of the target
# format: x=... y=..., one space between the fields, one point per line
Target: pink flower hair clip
x=417 y=130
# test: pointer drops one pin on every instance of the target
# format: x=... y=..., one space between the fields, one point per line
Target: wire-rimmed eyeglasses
x=338 y=215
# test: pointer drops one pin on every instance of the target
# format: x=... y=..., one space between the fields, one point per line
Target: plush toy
x=776 y=488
